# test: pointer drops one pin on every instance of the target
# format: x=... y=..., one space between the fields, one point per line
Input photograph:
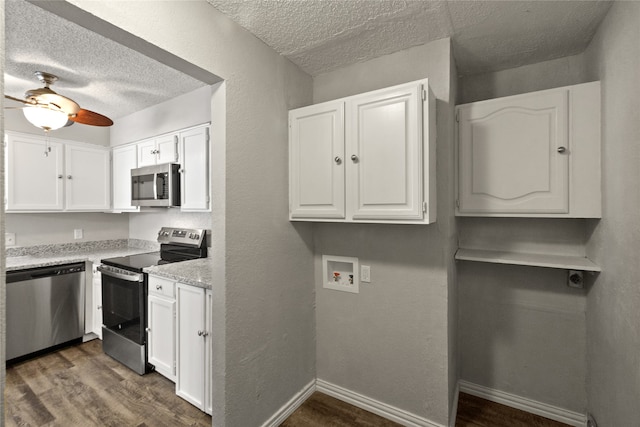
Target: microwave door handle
x=155 y=186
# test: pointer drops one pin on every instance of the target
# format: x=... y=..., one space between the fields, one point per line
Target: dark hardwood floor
x=82 y=386
x=321 y=410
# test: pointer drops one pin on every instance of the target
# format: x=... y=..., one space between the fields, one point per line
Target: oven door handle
x=129 y=277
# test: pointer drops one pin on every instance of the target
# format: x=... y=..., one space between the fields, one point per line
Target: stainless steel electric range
x=124 y=294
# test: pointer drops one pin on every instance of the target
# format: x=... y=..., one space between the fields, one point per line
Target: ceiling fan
x=45 y=109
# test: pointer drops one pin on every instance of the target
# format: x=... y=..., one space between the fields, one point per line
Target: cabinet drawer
x=161 y=287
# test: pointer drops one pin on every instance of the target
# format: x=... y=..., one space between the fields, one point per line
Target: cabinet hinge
x=458 y=116
x=207 y=132
x=424 y=95
x=424 y=206
x=457 y=203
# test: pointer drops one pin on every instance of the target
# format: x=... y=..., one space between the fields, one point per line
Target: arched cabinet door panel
x=535 y=154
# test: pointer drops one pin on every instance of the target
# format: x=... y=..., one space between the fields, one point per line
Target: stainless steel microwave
x=156 y=185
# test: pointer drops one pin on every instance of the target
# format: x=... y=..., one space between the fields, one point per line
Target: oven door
x=124 y=303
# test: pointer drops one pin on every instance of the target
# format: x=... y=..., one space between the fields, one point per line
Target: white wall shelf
x=537 y=260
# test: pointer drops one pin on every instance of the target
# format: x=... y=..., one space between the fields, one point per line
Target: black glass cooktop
x=135 y=262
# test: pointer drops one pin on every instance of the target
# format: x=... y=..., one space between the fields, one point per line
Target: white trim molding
x=290 y=407
x=454 y=407
x=387 y=411
x=539 y=408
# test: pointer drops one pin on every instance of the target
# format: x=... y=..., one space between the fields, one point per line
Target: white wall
x=190 y=109
x=613 y=314
x=53 y=228
x=522 y=330
x=263 y=324
x=390 y=342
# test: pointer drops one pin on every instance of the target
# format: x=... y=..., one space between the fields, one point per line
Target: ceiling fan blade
x=24 y=101
x=87 y=117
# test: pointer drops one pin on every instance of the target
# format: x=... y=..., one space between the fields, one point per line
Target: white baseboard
x=387 y=411
x=524 y=404
x=290 y=407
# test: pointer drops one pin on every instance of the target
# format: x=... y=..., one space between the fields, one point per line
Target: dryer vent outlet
x=591 y=422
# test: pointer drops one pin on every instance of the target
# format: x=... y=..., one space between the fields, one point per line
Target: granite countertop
x=196 y=272
x=45 y=256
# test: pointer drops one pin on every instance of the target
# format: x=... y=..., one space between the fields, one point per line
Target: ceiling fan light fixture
x=45 y=118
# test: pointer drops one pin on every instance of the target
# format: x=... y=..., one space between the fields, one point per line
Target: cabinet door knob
x=200 y=333
x=338 y=160
x=354 y=158
x=158 y=287
x=69 y=176
x=561 y=149
x=147 y=329
x=60 y=176
x=99 y=307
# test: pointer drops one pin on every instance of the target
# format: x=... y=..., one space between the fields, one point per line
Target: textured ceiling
x=318 y=35
x=322 y=35
x=99 y=74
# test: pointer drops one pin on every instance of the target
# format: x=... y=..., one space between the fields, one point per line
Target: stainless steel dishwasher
x=45 y=307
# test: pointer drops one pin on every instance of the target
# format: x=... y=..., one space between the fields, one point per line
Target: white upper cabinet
x=384 y=154
x=88 y=184
x=123 y=160
x=45 y=174
x=35 y=174
x=162 y=149
x=316 y=156
x=536 y=154
x=194 y=168
x=365 y=158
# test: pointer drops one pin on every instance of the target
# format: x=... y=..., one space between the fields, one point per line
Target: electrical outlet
x=77 y=233
x=10 y=239
x=365 y=273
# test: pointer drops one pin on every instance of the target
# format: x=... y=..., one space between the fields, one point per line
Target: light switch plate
x=365 y=273
x=77 y=233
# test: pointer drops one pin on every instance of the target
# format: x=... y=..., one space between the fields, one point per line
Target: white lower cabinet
x=97 y=304
x=191 y=383
x=178 y=338
x=161 y=330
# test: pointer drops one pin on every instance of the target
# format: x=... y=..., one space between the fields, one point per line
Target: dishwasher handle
x=121 y=274
x=22 y=275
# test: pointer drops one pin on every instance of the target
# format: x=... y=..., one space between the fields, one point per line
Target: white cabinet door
x=194 y=162
x=190 y=355
x=167 y=149
x=35 y=174
x=513 y=154
x=123 y=160
x=161 y=334
x=208 y=354
x=146 y=152
x=161 y=149
x=97 y=304
x=87 y=175
x=316 y=162
x=384 y=154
